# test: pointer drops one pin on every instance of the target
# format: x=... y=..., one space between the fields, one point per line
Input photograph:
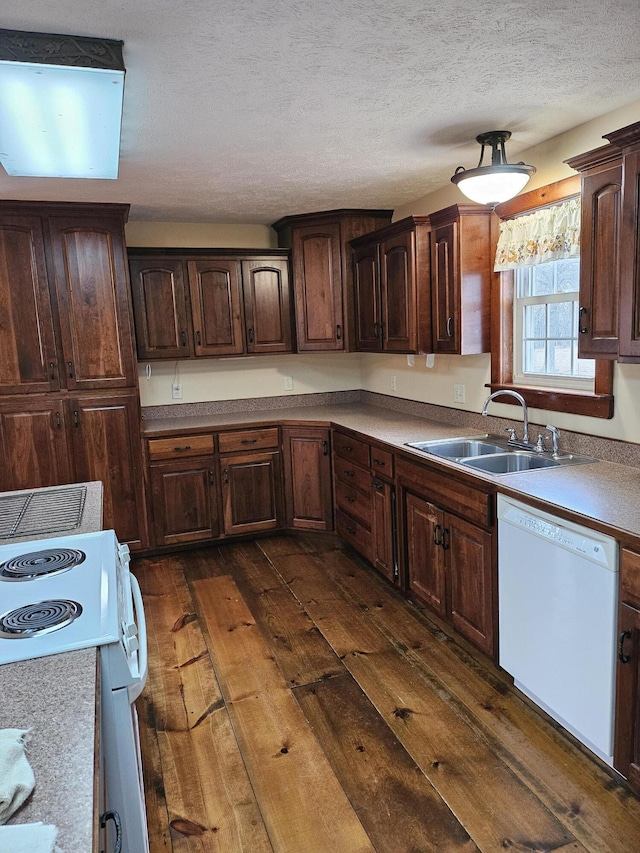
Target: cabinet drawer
x=248 y=439
x=354 y=502
x=180 y=446
x=351 y=474
x=382 y=463
x=351 y=448
x=630 y=577
x=354 y=533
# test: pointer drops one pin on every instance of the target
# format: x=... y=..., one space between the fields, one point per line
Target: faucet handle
x=512 y=433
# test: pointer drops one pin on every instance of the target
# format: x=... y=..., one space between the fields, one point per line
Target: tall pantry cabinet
x=69 y=406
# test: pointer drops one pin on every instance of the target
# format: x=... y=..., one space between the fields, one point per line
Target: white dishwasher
x=558 y=594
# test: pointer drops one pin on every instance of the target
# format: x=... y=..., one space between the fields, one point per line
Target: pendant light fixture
x=60 y=105
x=498 y=182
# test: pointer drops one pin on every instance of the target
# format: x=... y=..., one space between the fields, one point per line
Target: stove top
x=58 y=594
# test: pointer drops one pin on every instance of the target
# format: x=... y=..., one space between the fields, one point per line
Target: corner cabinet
x=601 y=209
x=323 y=273
x=462 y=254
x=210 y=303
x=391 y=288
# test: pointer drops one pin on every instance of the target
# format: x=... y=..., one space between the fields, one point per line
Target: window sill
x=592 y=405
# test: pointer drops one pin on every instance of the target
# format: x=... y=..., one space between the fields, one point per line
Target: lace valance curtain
x=550 y=234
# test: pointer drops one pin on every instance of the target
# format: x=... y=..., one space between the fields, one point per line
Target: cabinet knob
x=449 y=327
x=581 y=327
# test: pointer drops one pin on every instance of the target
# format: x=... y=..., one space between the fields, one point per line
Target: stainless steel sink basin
x=510 y=462
x=457 y=448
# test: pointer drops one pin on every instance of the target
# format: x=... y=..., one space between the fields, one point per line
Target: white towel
x=28 y=838
x=16 y=776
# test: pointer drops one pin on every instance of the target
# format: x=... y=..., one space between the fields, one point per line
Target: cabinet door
x=307 y=475
x=472 y=583
x=184 y=501
x=92 y=290
x=28 y=358
x=629 y=348
x=424 y=554
x=626 y=756
x=105 y=434
x=444 y=288
x=317 y=279
x=33 y=443
x=160 y=312
x=383 y=528
x=397 y=283
x=251 y=492
x=267 y=305
x=368 y=313
x=600 y=262
x=216 y=304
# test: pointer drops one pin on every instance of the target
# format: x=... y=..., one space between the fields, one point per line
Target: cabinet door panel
x=33 y=442
x=443 y=288
x=217 y=306
x=160 y=308
x=472 y=581
x=92 y=290
x=630 y=261
x=105 y=436
x=397 y=280
x=307 y=469
x=184 y=504
x=367 y=299
x=425 y=559
x=251 y=492
x=265 y=285
x=318 y=288
x=626 y=752
x=384 y=528
x=28 y=358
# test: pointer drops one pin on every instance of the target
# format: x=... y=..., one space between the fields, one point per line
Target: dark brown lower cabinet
x=383 y=551
x=251 y=492
x=185 y=506
x=448 y=560
x=307 y=476
x=626 y=750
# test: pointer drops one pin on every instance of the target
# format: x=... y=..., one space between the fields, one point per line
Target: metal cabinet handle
x=351 y=530
x=325 y=448
x=445 y=539
x=70 y=366
x=347 y=448
x=76 y=417
x=349 y=473
x=248 y=441
x=350 y=499
x=449 y=327
x=183 y=338
x=58 y=421
x=226 y=475
x=182 y=448
x=115 y=817
x=52 y=370
x=377 y=485
x=338 y=332
x=437 y=539
x=198 y=338
x=250 y=335
x=376 y=330
x=211 y=478
x=622 y=657
x=378 y=461
x=581 y=327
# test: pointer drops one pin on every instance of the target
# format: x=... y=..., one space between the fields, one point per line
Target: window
x=535 y=308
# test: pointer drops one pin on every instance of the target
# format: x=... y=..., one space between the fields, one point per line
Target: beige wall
x=221 y=379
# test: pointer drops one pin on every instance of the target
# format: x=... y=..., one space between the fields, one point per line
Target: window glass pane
x=535 y=321
x=559 y=358
x=542 y=279
x=583 y=367
x=534 y=357
x=561 y=319
x=568 y=275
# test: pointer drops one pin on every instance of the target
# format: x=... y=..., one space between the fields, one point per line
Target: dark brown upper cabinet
x=210 y=302
x=601 y=211
x=323 y=273
x=391 y=288
x=462 y=255
x=64 y=298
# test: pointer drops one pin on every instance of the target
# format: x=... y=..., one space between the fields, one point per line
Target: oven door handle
x=137 y=687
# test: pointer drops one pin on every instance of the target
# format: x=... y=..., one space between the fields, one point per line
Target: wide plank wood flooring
x=297 y=703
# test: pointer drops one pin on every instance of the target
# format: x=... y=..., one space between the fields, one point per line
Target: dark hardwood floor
x=297 y=703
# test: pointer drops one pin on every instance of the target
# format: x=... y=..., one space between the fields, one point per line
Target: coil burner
x=42 y=617
x=35 y=564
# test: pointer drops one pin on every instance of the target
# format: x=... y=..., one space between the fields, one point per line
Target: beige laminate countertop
x=90 y=521
x=602 y=492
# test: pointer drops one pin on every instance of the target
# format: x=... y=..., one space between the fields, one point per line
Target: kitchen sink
x=493 y=454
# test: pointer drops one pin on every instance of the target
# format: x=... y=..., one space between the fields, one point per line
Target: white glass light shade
x=60 y=121
x=492 y=185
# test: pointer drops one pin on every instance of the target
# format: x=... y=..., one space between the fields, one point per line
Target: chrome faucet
x=555 y=434
x=525 y=413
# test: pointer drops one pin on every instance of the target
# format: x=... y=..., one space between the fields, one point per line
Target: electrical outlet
x=176 y=391
x=394 y=384
x=288 y=383
x=458 y=393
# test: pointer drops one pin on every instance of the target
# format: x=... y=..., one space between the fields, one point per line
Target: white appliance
x=72 y=592
x=558 y=594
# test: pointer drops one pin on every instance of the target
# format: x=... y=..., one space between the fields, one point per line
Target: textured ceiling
x=249 y=110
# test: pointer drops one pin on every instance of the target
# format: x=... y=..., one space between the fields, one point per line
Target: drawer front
x=354 y=533
x=248 y=439
x=180 y=446
x=354 y=502
x=351 y=474
x=351 y=448
x=382 y=463
x=630 y=577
